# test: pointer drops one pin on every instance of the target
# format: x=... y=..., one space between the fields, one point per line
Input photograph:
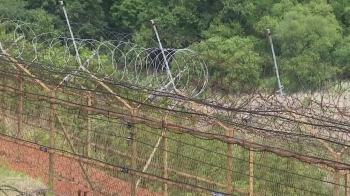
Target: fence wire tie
x=124 y=170
x=43 y=148
x=218 y=194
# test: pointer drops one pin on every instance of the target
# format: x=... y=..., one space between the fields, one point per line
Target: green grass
x=5 y=171
x=15 y=183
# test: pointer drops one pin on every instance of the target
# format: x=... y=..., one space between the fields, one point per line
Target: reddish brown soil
x=68 y=175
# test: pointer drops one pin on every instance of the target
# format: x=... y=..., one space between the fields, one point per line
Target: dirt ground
x=69 y=178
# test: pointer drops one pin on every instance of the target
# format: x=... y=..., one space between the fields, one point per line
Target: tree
x=180 y=23
x=125 y=14
x=342 y=13
x=37 y=21
x=86 y=16
x=306 y=35
x=233 y=64
x=341 y=59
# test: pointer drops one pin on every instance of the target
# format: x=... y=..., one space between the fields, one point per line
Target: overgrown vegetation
x=273 y=175
x=311 y=37
x=16 y=183
x=5 y=171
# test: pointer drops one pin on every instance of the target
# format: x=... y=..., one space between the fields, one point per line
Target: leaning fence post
x=133 y=153
x=51 y=155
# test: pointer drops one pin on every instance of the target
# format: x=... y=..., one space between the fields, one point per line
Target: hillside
x=310 y=37
x=13 y=183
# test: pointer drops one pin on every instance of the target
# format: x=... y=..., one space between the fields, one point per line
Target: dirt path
x=68 y=178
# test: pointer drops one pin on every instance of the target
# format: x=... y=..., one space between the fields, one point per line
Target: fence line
x=93 y=110
x=103 y=165
x=108 y=132
x=182 y=129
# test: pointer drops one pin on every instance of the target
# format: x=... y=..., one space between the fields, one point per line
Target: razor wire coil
x=115 y=60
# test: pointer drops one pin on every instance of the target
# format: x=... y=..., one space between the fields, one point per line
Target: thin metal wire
x=113 y=59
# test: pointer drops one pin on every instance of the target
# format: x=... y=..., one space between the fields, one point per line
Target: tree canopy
x=310 y=37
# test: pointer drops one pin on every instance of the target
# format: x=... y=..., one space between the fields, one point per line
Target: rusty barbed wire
x=73 y=123
x=116 y=60
x=177 y=144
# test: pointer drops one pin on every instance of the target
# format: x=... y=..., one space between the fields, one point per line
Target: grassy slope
x=14 y=183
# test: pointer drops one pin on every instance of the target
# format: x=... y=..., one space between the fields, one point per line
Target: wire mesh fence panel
x=120 y=124
x=274 y=175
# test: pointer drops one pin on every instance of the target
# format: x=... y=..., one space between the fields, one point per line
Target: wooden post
x=88 y=134
x=133 y=153
x=51 y=155
x=336 y=181
x=20 y=114
x=89 y=102
x=20 y=107
x=346 y=181
x=336 y=178
x=67 y=136
x=229 y=164
x=149 y=160
x=165 y=162
x=251 y=172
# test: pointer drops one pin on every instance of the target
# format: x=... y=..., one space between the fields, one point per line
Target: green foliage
x=125 y=14
x=273 y=175
x=306 y=72
x=310 y=36
x=341 y=58
x=306 y=35
x=311 y=39
x=85 y=15
x=6 y=172
x=12 y=9
x=312 y=27
x=286 y=176
x=342 y=13
x=233 y=64
x=310 y=45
